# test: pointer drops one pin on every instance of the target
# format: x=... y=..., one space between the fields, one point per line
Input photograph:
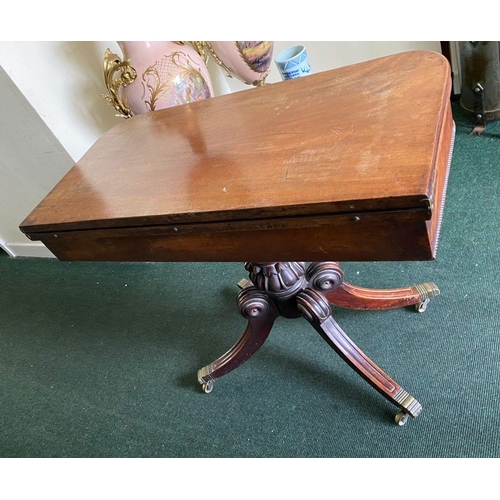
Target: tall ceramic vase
x=155 y=75
x=249 y=62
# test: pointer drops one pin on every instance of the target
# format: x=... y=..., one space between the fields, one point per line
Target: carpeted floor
x=100 y=360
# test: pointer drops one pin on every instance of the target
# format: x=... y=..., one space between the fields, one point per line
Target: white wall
x=32 y=160
x=63 y=82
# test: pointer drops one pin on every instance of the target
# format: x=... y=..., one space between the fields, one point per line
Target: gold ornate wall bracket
x=112 y=65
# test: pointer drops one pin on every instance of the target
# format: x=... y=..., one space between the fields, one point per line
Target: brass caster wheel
x=401 y=418
x=208 y=387
x=422 y=306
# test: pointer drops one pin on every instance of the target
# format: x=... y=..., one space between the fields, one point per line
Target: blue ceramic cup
x=293 y=62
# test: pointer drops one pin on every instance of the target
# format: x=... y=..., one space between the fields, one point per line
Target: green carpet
x=100 y=360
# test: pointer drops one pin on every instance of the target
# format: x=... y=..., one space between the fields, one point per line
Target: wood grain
x=340 y=165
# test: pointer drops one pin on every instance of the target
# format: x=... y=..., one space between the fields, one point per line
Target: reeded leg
x=292 y=290
x=355 y=297
x=315 y=308
x=261 y=314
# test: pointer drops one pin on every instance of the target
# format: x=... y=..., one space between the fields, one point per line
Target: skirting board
x=31 y=249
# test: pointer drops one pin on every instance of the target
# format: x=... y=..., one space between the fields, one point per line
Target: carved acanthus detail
x=278 y=279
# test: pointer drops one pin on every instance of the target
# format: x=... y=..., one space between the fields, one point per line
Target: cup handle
x=112 y=64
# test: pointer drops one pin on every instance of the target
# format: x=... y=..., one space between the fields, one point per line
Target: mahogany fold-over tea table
x=345 y=165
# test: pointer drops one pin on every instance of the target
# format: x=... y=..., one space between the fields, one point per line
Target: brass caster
x=244 y=283
x=422 y=306
x=401 y=418
x=207 y=387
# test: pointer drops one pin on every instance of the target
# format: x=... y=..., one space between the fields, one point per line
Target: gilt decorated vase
x=166 y=74
x=249 y=62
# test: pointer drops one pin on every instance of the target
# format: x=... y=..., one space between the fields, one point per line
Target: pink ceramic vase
x=168 y=74
x=250 y=62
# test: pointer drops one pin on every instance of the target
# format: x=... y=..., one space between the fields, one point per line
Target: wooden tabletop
x=358 y=138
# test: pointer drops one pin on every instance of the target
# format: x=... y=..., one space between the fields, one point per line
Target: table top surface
x=361 y=137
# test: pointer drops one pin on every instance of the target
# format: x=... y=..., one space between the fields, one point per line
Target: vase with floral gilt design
x=249 y=62
x=154 y=76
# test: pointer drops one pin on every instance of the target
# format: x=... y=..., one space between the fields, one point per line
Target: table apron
x=382 y=236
